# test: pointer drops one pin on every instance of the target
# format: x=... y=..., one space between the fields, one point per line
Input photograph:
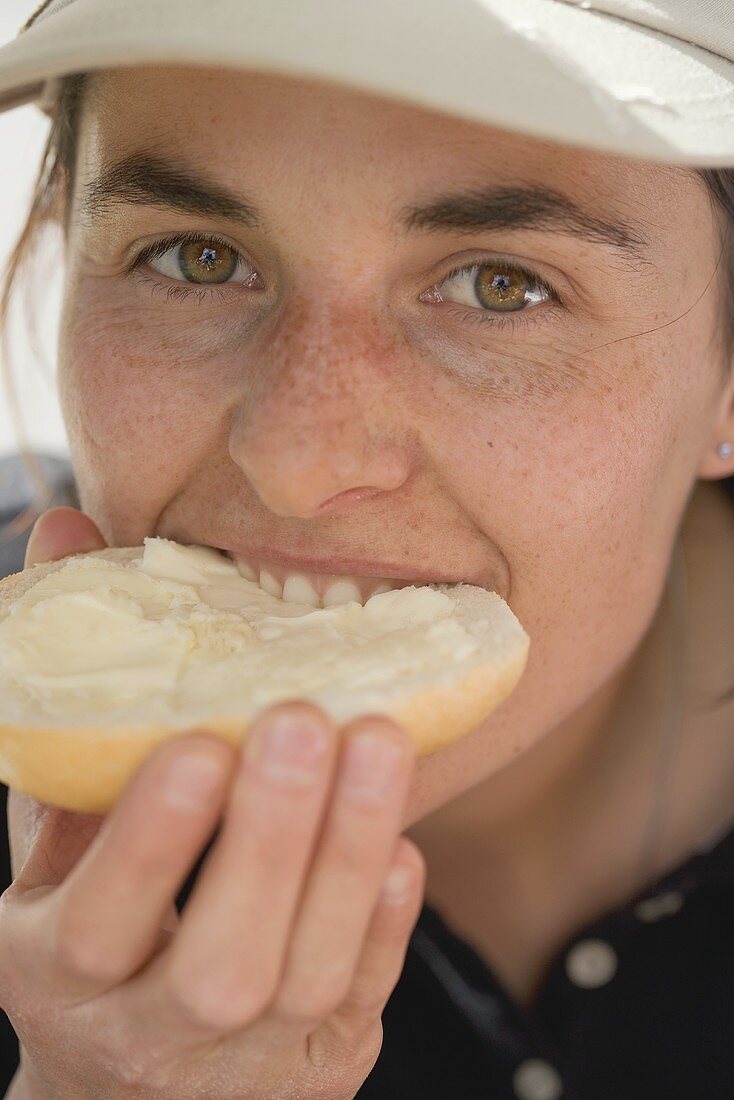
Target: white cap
x=652 y=79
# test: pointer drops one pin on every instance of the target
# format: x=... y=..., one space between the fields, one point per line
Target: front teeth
x=271 y=584
x=341 y=592
x=245 y=571
x=298 y=589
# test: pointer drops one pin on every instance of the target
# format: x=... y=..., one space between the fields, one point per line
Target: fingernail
x=373 y=762
x=190 y=781
x=30 y=550
x=397 y=884
x=289 y=749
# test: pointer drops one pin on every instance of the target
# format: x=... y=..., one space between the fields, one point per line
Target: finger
x=353 y=857
x=108 y=914
x=224 y=963
x=61 y=531
x=47 y=842
x=382 y=957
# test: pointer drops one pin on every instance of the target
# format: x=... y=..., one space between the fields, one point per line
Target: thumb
x=59 y=532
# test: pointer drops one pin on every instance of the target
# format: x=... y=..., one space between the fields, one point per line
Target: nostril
x=349 y=496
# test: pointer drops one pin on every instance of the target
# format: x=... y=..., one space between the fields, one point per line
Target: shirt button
x=662 y=905
x=591 y=963
x=536 y=1079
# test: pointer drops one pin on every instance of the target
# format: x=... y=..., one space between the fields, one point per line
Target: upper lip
x=358 y=567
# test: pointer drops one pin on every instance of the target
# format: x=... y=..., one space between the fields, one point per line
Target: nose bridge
x=331 y=363
x=319 y=421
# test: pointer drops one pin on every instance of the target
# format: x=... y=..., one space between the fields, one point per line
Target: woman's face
x=538 y=442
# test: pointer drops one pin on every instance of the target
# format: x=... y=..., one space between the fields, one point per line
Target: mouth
x=322 y=583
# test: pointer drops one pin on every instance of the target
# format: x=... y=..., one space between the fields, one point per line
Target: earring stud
x=725 y=449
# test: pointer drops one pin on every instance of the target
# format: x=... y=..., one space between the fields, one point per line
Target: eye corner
x=431 y=295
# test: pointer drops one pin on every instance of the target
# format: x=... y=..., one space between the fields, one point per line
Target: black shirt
x=638 y=1005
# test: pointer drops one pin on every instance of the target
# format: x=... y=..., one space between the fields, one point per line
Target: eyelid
x=498 y=319
x=511 y=266
x=158 y=248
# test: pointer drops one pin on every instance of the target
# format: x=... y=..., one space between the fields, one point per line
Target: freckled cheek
x=107 y=400
x=565 y=493
x=564 y=497
x=114 y=364
x=131 y=408
x=553 y=467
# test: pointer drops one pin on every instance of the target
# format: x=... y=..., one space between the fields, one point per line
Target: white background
x=23 y=133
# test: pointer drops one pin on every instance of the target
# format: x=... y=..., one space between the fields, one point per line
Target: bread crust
x=85 y=769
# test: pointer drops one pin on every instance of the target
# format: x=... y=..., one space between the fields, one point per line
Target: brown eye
x=502 y=288
x=200 y=261
x=498 y=287
x=207 y=262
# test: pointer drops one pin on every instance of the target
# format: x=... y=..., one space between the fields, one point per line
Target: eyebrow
x=149 y=180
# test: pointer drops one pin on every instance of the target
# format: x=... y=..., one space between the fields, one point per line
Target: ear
x=714 y=465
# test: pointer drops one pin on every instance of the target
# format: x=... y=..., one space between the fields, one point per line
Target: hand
x=272 y=981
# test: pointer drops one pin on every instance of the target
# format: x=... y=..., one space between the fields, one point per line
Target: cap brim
x=545 y=68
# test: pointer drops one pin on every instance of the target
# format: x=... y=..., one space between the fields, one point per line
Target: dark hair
x=51 y=203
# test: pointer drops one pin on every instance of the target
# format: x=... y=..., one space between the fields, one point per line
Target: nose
x=320 y=428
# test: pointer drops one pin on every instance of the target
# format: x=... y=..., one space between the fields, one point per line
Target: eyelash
x=466 y=314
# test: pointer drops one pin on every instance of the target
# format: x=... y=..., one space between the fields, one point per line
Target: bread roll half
x=103 y=655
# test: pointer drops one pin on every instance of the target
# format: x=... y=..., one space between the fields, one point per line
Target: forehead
x=307 y=126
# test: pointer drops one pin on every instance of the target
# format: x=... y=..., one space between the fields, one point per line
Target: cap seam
x=665 y=32
x=31 y=19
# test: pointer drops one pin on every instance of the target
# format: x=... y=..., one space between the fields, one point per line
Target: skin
x=552 y=461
